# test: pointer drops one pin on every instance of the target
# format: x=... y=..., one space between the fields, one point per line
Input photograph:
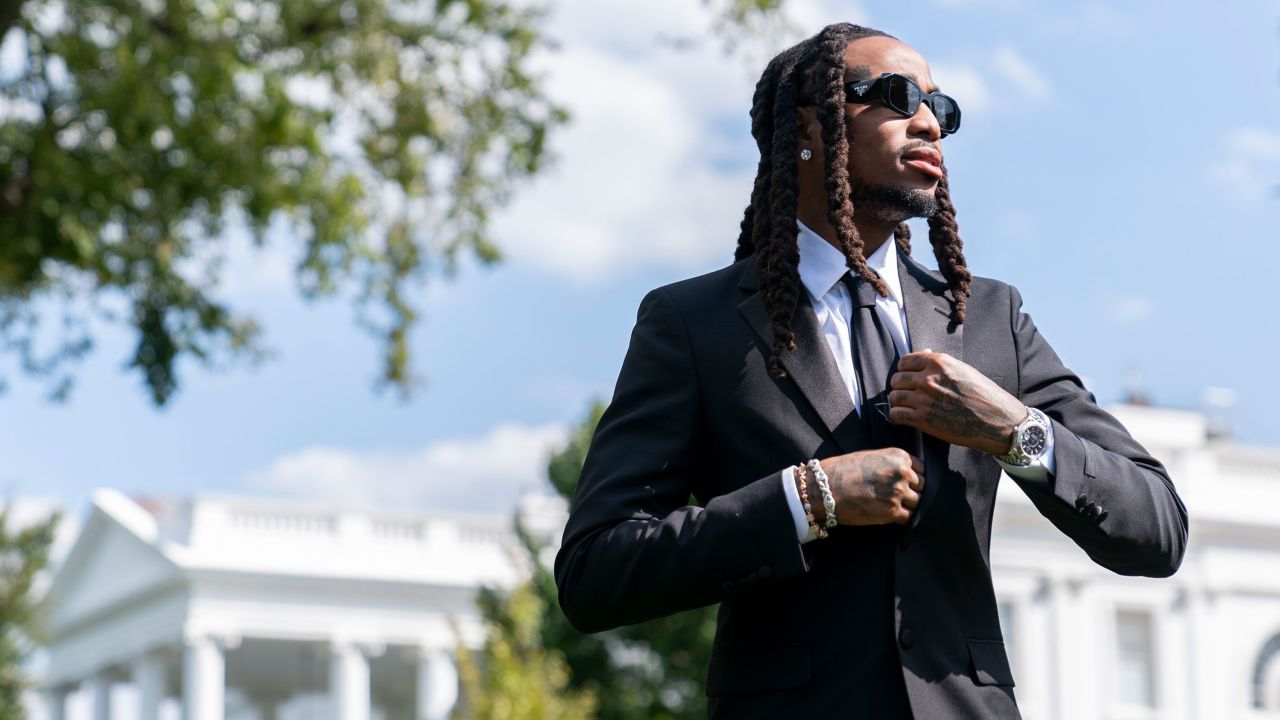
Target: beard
x=892 y=203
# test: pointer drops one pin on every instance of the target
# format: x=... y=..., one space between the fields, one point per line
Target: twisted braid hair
x=944 y=236
x=815 y=68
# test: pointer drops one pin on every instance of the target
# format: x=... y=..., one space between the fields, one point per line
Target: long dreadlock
x=815 y=67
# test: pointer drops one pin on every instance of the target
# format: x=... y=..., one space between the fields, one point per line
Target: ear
x=808 y=129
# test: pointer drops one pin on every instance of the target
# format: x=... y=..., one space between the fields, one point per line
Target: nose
x=924 y=124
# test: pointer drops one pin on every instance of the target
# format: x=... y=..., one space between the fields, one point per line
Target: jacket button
x=906 y=638
x=1082 y=501
x=765 y=572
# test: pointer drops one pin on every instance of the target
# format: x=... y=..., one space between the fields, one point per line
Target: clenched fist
x=873 y=487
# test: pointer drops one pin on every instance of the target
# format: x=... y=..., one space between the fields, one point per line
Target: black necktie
x=876 y=359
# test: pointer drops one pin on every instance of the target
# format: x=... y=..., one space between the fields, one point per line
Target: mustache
x=919 y=144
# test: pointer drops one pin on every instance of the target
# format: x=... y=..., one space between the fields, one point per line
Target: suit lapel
x=927 y=302
x=810 y=365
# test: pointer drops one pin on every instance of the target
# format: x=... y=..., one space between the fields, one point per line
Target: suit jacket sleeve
x=1144 y=531
x=633 y=548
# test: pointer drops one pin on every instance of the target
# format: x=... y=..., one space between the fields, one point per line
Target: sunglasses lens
x=947 y=112
x=902 y=95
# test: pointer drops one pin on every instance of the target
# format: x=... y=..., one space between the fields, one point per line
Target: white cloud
x=1003 y=76
x=1249 y=162
x=966 y=83
x=1015 y=68
x=656 y=166
x=812 y=15
x=635 y=183
x=479 y=474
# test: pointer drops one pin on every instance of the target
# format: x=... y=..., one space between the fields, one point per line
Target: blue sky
x=1117 y=163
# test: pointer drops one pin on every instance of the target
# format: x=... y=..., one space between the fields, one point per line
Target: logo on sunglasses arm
x=861 y=90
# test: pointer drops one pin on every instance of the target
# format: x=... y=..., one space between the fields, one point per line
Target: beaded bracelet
x=808 y=509
x=828 y=500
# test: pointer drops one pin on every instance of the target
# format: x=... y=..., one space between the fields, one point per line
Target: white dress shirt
x=821 y=267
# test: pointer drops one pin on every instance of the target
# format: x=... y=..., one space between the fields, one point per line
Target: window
x=1266 y=676
x=1136 y=672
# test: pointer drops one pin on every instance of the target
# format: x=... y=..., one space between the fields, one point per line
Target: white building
x=1088 y=644
x=273 y=610
x=267 y=610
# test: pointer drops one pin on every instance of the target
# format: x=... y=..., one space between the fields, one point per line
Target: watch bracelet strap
x=1015 y=456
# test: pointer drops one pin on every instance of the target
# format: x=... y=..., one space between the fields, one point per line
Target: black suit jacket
x=680 y=506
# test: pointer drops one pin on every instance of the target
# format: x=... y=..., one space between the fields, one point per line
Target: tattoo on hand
x=951 y=415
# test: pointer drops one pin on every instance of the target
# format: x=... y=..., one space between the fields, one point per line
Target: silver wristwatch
x=1029 y=440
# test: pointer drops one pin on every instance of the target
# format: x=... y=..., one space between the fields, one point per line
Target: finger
x=903 y=398
x=917 y=465
x=904 y=380
x=903 y=416
x=915 y=481
x=910 y=499
x=914 y=361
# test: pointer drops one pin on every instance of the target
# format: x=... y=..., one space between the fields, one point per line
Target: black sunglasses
x=902 y=95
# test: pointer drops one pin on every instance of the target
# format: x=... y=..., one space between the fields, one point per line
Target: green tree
x=380 y=133
x=24 y=554
x=515 y=678
x=654 y=669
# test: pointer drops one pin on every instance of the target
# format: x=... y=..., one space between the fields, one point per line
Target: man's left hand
x=952 y=401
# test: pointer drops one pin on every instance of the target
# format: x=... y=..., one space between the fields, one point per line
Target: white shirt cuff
x=1042 y=465
x=804 y=533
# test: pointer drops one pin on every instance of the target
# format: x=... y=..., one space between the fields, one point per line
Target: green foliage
x=743 y=12
x=382 y=134
x=655 y=669
x=519 y=680
x=24 y=553
x=652 y=670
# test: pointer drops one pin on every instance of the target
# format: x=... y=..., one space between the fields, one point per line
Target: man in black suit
x=839 y=416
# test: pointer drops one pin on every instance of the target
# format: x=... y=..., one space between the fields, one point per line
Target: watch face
x=1033 y=441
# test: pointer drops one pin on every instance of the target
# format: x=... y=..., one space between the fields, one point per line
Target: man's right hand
x=874 y=487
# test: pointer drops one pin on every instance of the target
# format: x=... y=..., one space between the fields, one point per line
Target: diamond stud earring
x=806 y=154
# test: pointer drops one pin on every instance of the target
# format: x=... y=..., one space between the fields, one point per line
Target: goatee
x=893 y=203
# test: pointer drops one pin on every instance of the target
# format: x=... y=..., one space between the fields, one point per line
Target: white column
x=1067 y=661
x=437 y=684
x=148 y=675
x=349 y=697
x=1171 y=658
x=56 y=701
x=1211 y=696
x=1036 y=646
x=204 y=677
x=99 y=688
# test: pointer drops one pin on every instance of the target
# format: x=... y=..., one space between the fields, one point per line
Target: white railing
x=217 y=520
x=400 y=530
x=282 y=523
x=1250 y=463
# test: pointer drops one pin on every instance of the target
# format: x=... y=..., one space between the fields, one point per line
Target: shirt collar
x=822 y=265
